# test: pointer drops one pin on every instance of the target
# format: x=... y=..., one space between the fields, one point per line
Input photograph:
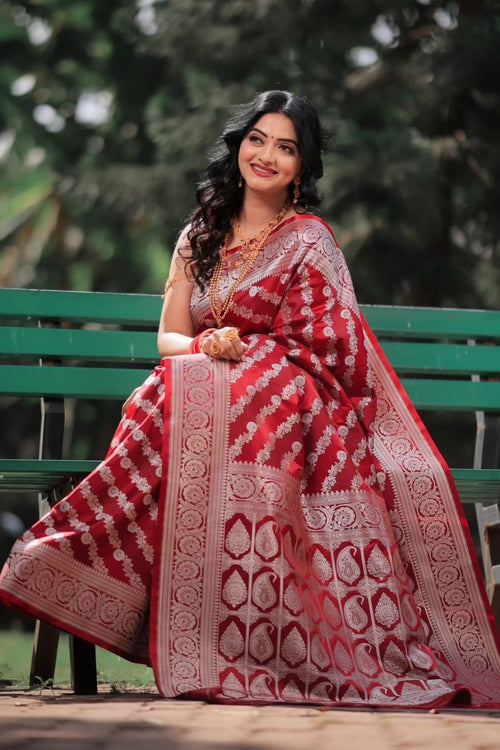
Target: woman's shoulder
x=183 y=238
x=318 y=245
x=310 y=226
x=182 y=250
x=312 y=219
x=313 y=232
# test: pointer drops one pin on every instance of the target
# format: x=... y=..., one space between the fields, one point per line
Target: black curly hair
x=219 y=198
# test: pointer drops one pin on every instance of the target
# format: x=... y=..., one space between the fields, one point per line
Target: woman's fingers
x=224 y=343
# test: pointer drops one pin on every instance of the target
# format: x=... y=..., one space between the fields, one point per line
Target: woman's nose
x=267 y=153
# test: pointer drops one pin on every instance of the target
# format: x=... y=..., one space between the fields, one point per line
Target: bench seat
x=46 y=475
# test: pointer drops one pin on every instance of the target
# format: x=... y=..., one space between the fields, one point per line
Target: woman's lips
x=262 y=171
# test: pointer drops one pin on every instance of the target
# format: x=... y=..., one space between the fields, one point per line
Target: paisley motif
x=291 y=688
x=262 y=645
x=386 y=610
x=261 y=686
x=311 y=604
x=331 y=610
x=322 y=565
x=421 y=657
x=232 y=684
x=393 y=658
x=320 y=652
x=341 y=656
x=292 y=598
x=293 y=649
x=232 y=640
x=265 y=590
x=235 y=589
x=267 y=544
x=366 y=661
x=355 y=614
x=409 y=611
x=348 y=567
x=377 y=563
x=323 y=691
x=237 y=540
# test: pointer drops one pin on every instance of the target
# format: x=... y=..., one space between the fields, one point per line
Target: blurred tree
x=84 y=196
x=108 y=111
x=419 y=158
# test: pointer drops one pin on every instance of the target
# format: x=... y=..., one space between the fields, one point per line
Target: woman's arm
x=176 y=330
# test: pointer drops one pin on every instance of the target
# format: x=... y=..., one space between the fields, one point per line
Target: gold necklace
x=250 y=249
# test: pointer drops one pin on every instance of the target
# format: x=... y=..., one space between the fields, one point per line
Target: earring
x=296 y=190
x=240 y=182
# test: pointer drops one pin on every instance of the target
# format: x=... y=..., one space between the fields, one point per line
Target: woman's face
x=269 y=156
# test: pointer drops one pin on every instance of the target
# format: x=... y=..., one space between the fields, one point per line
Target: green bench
x=57 y=345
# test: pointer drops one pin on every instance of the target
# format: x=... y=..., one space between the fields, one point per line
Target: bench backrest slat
x=140 y=346
x=432 y=323
x=144 y=310
x=449 y=395
x=446 y=359
x=78 y=344
x=116 y=383
x=81 y=307
x=69 y=382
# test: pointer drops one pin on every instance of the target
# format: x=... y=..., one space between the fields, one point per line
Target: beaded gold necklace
x=250 y=248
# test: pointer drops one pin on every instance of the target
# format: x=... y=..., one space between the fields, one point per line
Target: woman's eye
x=286 y=148
x=255 y=139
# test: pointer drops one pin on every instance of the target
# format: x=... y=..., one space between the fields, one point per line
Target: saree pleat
x=276 y=529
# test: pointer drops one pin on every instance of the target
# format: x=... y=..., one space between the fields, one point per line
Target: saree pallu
x=277 y=529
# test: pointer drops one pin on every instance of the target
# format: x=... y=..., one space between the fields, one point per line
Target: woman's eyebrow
x=288 y=140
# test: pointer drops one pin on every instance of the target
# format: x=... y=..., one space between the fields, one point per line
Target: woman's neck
x=257 y=211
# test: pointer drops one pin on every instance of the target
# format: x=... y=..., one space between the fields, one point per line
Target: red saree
x=278 y=529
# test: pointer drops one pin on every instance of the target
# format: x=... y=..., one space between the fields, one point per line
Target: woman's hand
x=224 y=343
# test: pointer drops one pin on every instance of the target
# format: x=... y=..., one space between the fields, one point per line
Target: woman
x=272 y=522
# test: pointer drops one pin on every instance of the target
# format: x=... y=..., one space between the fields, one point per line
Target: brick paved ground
x=59 y=720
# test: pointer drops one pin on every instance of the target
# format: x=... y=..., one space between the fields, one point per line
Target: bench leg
x=43 y=662
x=82 y=653
x=487 y=455
x=83 y=666
x=492 y=546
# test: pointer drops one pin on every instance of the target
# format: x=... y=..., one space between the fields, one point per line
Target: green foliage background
x=107 y=110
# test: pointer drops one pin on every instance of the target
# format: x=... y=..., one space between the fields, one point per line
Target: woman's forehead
x=276 y=125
